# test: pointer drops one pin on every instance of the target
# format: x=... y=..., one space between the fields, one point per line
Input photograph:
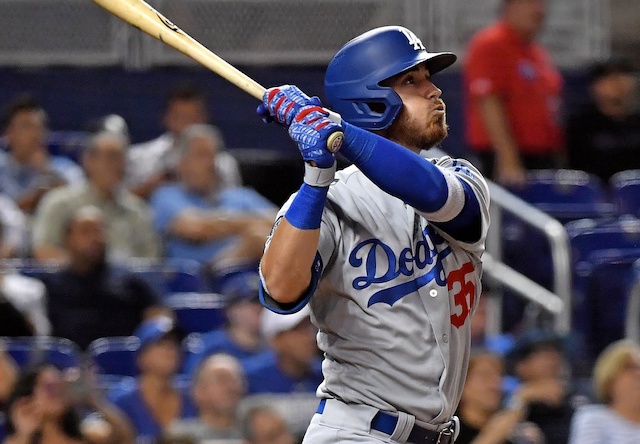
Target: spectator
x=23 y=303
x=8 y=378
x=127 y=219
x=604 y=137
x=294 y=364
x=513 y=95
x=27 y=171
x=155 y=162
x=617 y=382
x=41 y=409
x=262 y=424
x=241 y=336
x=154 y=403
x=538 y=361
x=218 y=387
x=91 y=298
x=13 y=229
x=202 y=221
x=482 y=420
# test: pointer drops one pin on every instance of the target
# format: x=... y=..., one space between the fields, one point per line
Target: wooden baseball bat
x=143 y=16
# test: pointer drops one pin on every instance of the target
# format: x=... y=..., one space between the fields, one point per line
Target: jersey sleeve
x=473 y=182
x=326 y=247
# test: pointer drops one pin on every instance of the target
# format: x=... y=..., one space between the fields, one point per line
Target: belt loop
x=403 y=427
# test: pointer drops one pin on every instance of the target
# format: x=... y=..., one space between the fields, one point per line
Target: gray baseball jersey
x=395 y=298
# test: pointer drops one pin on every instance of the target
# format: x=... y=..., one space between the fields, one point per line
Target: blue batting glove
x=310 y=129
x=283 y=103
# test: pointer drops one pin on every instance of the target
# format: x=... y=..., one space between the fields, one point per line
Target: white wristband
x=319 y=177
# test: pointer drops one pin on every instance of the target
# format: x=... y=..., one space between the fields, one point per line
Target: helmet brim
x=435 y=62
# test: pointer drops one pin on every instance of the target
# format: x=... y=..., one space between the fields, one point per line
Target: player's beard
x=415 y=134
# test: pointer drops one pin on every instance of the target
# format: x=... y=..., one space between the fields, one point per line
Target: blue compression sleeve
x=397 y=170
x=305 y=212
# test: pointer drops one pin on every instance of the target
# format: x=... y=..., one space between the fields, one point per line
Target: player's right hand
x=311 y=129
x=283 y=103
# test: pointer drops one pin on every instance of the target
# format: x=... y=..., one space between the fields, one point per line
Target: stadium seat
x=590 y=235
x=115 y=355
x=625 y=191
x=60 y=352
x=171 y=276
x=600 y=313
x=197 y=312
x=566 y=194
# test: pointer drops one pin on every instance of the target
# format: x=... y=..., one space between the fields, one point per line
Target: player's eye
x=408 y=80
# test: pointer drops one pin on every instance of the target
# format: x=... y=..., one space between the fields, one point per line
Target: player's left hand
x=311 y=129
x=283 y=103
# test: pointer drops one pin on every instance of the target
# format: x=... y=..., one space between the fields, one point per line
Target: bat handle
x=335 y=139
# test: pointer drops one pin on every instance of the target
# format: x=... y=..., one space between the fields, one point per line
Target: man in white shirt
x=153 y=163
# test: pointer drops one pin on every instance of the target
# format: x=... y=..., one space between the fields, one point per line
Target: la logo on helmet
x=413 y=40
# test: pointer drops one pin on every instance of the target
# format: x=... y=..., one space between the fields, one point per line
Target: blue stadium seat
x=115 y=355
x=68 y=144
x=197 y=312
x=600 y=314
x=625 y=191
x=113 y=385
x=590 y=235
x=566 y=194
x=171 y=276
x=60 y=352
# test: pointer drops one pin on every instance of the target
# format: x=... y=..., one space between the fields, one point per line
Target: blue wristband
x=305 y=212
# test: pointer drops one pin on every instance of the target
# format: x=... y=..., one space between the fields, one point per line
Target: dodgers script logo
x=382 y=265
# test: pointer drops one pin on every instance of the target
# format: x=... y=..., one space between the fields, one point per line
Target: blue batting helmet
x=352 y=80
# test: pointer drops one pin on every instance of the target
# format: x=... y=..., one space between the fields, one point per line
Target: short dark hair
x=614 y=65
x=23 y=102
x=186 y=92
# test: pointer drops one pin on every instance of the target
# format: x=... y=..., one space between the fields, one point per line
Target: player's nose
x=431 y=91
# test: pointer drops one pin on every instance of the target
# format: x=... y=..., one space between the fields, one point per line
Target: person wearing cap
x=542 y=383
x=154 y=403
x=616 y=377
x=240 y=337
x=293 y=364
x=603 y=137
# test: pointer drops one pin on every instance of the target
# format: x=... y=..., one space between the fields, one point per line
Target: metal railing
x=559 y=301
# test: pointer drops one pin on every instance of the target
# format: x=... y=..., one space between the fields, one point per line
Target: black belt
x=386 y=423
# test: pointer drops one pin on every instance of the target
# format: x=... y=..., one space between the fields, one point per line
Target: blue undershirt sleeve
x=397 y=170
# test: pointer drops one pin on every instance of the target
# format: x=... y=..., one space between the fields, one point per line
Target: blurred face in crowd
x=245 y=314
x=269 y=428
x=197 y=166
x=526 y=16
x=625 y=386
x=483 y=389
x=422 y=122
x=8 y=376
x=219 y=387
x=105 y=162
x=182 y=113
x=615 y=94
x=50 y=394
x=27 y=133
x=86 y=237
x=545 y=362
x=160 y=358
x=297 y=345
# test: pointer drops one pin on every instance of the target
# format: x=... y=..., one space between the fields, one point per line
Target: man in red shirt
x=513 y=95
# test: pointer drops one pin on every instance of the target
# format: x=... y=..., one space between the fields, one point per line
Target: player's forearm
x=286 y=263
x=397 y=170
x=497 y=125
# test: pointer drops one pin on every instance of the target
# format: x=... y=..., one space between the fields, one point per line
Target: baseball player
x=387 y=251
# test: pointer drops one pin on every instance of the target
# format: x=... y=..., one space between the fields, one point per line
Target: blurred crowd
x=81 y=222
